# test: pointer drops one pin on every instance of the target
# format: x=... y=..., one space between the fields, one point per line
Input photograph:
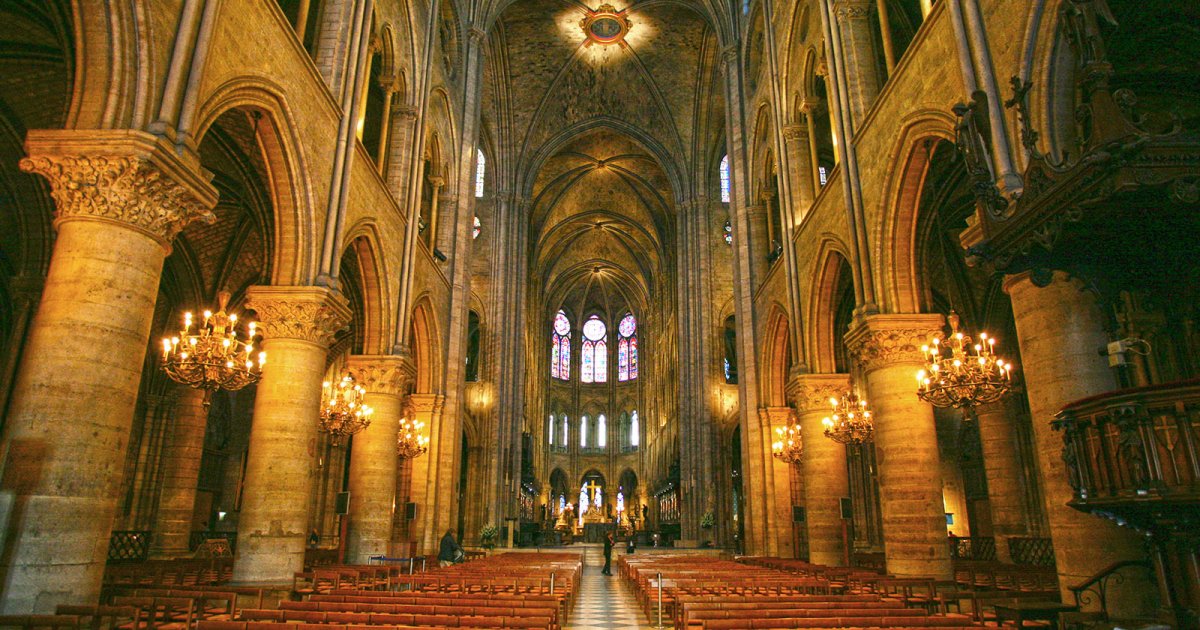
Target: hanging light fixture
x=342 y=410
x=789 y=447
x=852 y=421
x=213 y=357
x=961 y=374
x=410 y=443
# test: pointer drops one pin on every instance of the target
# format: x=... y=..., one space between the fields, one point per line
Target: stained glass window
x=480 y=171
x=627 y=348
x=594 y=361
x=727 y=232
x=560 y=348
x=583 y=422
x=724 y=179
x=566 y=432
x=634 y=430
x=601 y=431
x=550 y=431
x=824 y=174
x=476 y=229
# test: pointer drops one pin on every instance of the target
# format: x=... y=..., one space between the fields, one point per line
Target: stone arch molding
x=894 y=234
x=363 y=237
x=292 y=197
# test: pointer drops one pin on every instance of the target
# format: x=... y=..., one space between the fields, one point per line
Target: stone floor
x=605 y=602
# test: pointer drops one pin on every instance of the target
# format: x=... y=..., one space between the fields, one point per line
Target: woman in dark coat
x=608 y=547
x=448 y=551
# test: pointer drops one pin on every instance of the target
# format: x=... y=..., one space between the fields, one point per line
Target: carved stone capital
x=437 y=181
x=852 y=9
x=385 y=374
x=795 y=133
x=406 y=113
x=311 y=314
x=811 y=392
x=888 y=340
x=808 y=106
x=128 y=177
x=426 y=403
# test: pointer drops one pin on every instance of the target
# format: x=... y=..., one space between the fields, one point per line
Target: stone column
x=860 y=56
x=800 y=172
x=448 y=203
x=426 y=408
x=780 y=535
x=1059 y=328
x=998 y=439
x=25 y=292
x=399 y=162
x=826 y=480
x=181 y=457
x=298 y=324
x=431 y=225
x=888 y=348
x=373 y=456
x=121 y=197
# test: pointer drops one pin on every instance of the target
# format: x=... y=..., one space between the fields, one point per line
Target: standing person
x=313 y=538
x=449 y=551
x=608 y=547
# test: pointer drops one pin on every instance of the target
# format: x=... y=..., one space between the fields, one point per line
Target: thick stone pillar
x=1059 y=328
x=998 y=439
x=181 y=457
x=860 y=56
x=373 y=456
x=888 y=348
x=825 y=476
x=121 y=197
x=297 y=325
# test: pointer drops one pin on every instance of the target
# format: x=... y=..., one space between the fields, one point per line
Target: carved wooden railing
x=1130 y=452
x=1113 y=575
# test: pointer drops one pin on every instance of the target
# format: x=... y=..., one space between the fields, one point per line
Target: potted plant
x=487 y=536
x=706 y=523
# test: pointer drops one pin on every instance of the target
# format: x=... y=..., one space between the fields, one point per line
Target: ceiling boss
x=605 y=25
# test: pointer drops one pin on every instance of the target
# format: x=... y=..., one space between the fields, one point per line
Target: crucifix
x=593 y=489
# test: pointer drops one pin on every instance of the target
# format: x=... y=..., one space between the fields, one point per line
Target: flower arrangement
x=708 y=520
x=487 y=536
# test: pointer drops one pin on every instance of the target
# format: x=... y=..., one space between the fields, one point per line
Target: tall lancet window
x=560 y=347
x=601 y=432
x=480 y=172
x=724 y=175
x=635 y=430
x=627 y=357
x=583 y=431
x=593 y=359
x=550 y=431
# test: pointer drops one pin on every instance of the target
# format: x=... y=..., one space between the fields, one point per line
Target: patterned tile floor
x=605 y=602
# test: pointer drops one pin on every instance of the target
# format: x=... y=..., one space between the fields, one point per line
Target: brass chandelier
x=852 y=421
x=342 y=410
x=789 y=447
x=409 y=441
x=213 y=357
x=961 y=374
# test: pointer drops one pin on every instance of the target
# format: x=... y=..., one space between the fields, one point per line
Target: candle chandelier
x=213 y=357
x=961 y=374
x=342 y=410
x=789 y=447
x=409 y=441
x=852 y=421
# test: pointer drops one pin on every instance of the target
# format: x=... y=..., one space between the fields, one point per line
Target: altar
x=594 y=532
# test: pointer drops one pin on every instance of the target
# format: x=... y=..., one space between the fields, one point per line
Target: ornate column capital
x=405 y=112
x=811 y=392
x=128 y=177
x=386 y=374
x=437 y=181
x=312 y=314
x=426 y=403
x=795 y=133
x=852 y=9
x=883 y=340
x=809 y=106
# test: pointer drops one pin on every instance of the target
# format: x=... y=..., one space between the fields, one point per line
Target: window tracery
x=560 y=347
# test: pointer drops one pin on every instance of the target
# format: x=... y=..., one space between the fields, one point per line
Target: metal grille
x=973 y=548
x=128 y=546
x=1033 y=551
